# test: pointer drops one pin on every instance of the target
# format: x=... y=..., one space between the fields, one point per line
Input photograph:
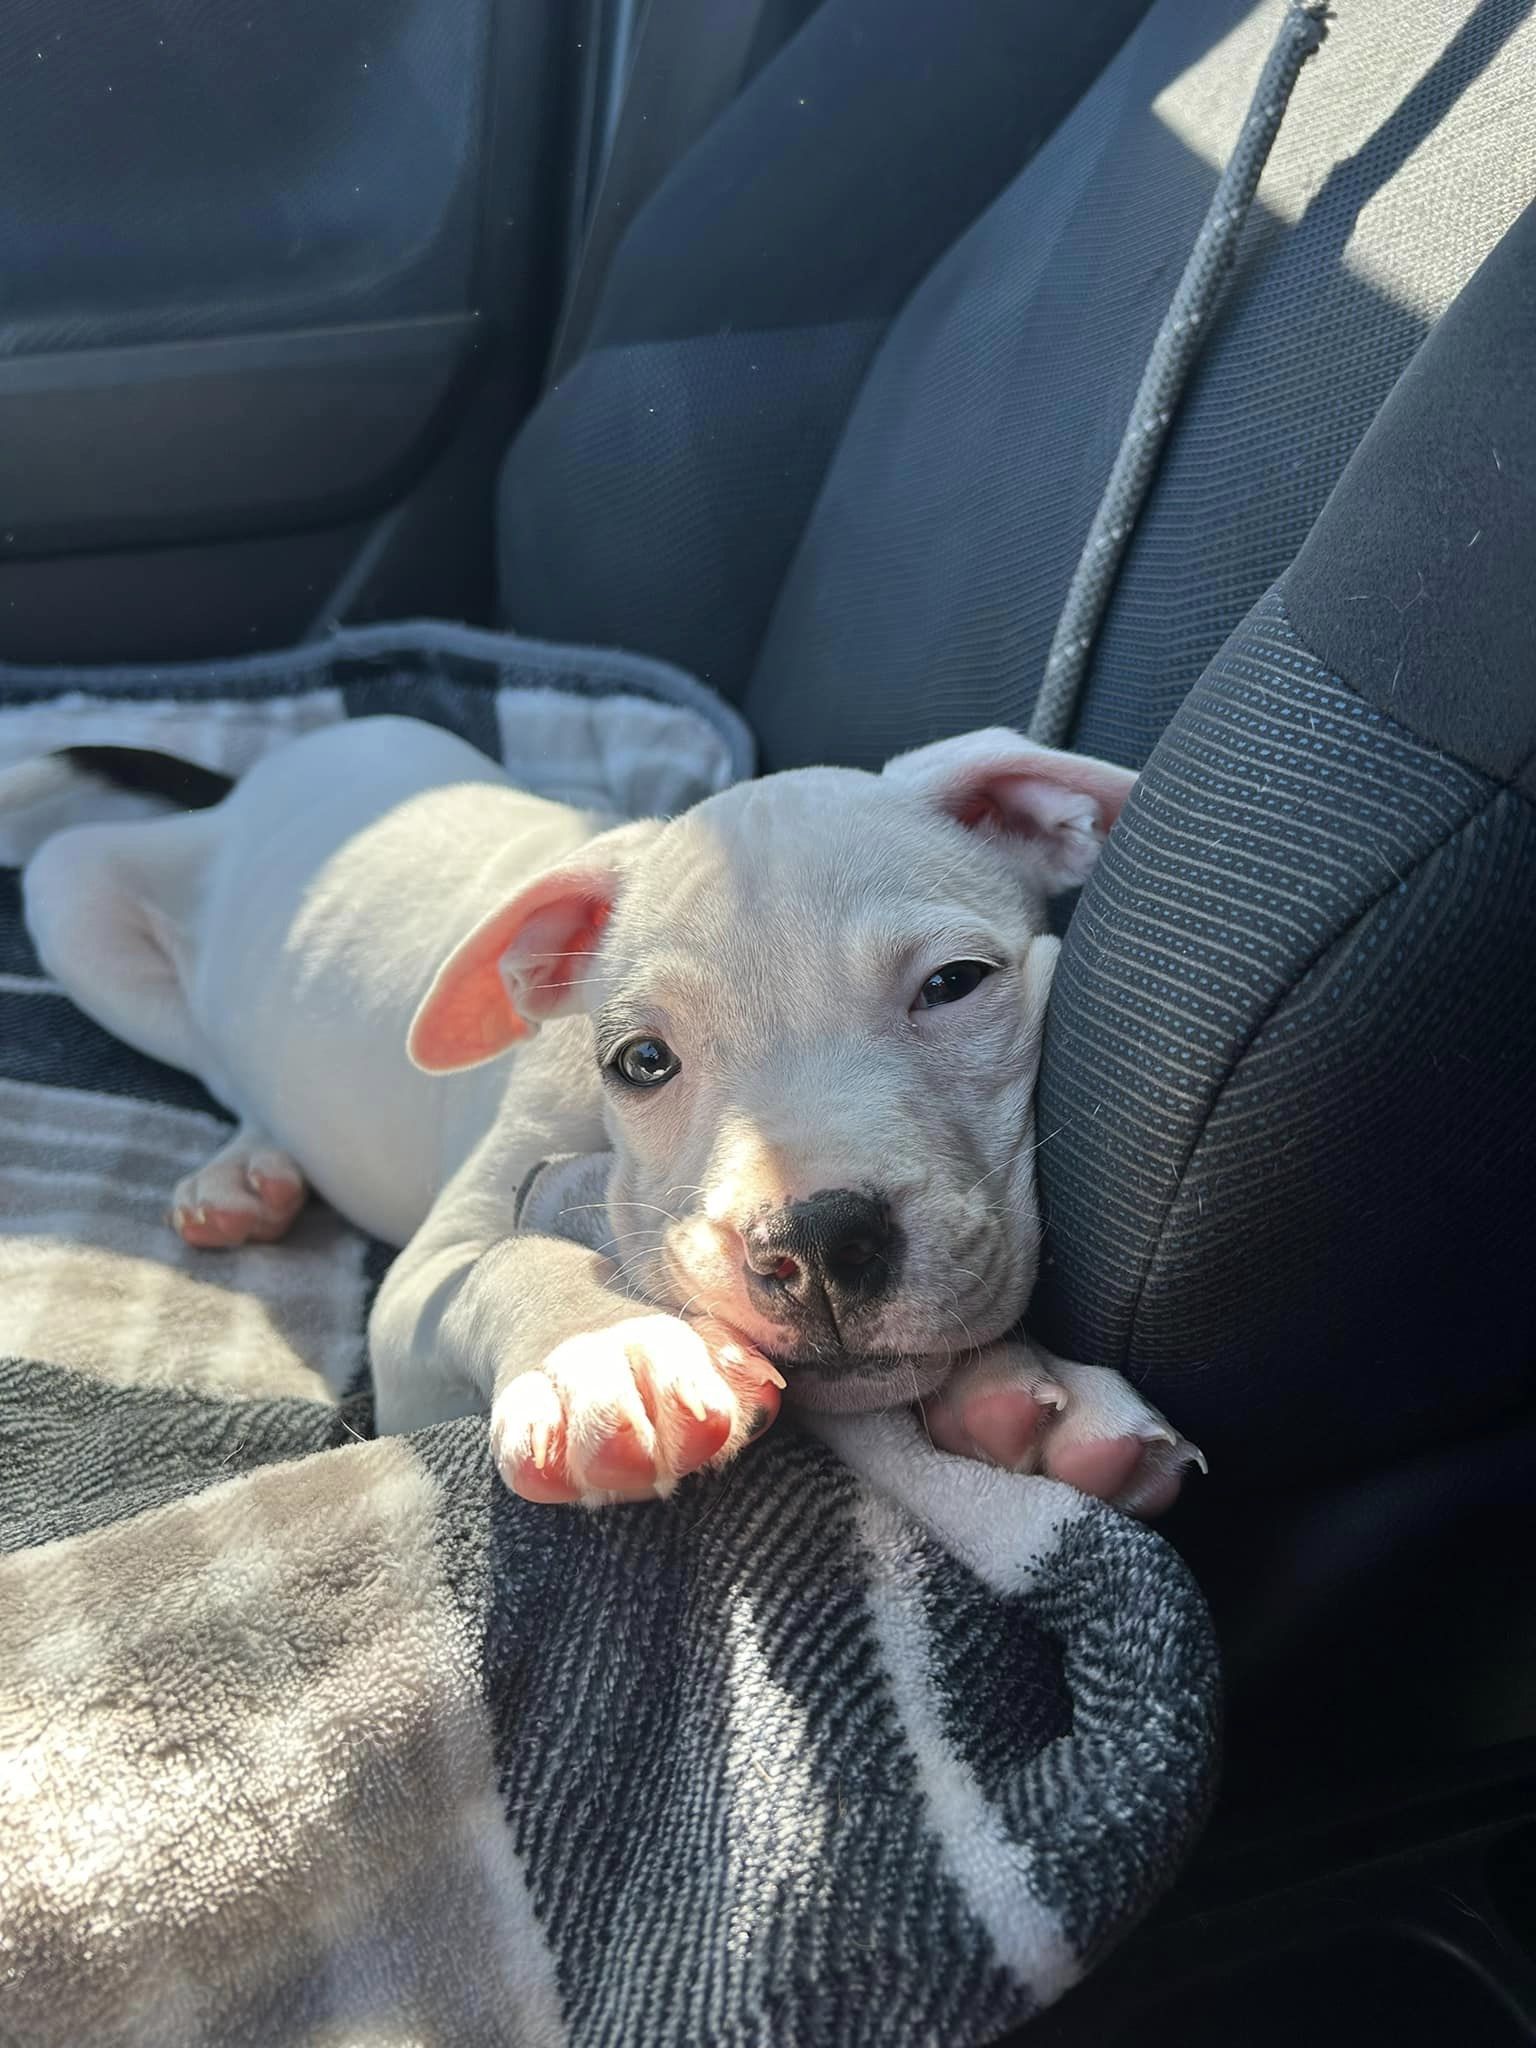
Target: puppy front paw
x=1017 y=1406
x=623 y=1413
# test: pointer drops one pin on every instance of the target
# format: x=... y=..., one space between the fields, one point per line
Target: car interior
x=792 y=342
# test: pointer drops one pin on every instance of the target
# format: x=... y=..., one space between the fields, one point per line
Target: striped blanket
x=307 y=1737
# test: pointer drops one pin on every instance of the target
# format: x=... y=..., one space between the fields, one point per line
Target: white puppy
x=805 y=1017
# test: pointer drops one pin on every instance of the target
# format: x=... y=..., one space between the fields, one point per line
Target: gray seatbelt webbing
x=1174 y=353
x=690 y=57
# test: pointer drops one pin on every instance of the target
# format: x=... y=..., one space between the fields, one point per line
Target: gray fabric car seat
x=656 y=495
x=1289 y=1090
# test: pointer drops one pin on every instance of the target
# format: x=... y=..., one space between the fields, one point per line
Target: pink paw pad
x=1104 y=1469
x=1080 y=1424
x=1005 y=1426
x=623 y=1463
x=238 y=1199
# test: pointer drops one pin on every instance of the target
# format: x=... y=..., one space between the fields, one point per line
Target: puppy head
x=817 y=1004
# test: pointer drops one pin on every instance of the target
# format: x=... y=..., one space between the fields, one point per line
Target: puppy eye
x=952 y=983
x=645 y=1062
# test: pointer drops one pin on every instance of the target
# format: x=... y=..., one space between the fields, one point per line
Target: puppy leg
x=248 y=1193
x=593 y=1399
x=109 y=907
x=1019 y=1406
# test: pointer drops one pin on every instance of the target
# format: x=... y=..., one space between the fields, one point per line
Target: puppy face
x=818 y=1030
x=817 y=1004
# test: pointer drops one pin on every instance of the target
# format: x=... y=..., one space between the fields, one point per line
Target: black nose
x=832 y=1252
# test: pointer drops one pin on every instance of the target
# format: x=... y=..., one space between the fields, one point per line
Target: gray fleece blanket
x=310 y=1738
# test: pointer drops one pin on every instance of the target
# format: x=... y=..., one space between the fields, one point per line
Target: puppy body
x=805 y=1019
x=300 y=922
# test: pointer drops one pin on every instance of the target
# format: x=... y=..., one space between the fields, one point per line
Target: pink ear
x=1052 y=809
x=515 y=969
x=528 y=961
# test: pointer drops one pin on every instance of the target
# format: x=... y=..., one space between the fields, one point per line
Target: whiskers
x=917 y=1403
x=1011 y=1160
x=611 y=1243
x=585 y=953
x=651 y=1270
x=953 y=1312
x=628 y=1271
x=1016 y=1156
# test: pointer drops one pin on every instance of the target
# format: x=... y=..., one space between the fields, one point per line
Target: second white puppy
x=805 y=1017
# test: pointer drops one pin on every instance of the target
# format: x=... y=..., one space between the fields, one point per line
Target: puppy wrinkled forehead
x=807 y=850
x=781 y=908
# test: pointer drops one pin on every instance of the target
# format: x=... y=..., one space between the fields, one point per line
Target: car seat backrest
x=655 y=496
x=925 y=592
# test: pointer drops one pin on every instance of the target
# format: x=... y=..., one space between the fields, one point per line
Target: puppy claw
x=527 y=1443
